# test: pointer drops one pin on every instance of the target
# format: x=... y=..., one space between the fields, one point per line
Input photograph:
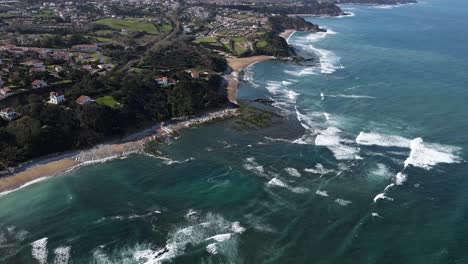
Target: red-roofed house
x=82 y=100
x=56 y=98
x=5 y=91
x=39 y=84
x=195 y=74
x=165 y=81
x=34 y=64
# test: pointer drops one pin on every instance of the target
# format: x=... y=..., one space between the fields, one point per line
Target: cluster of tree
x=182 y=55
x=61 y=41
x=281 y=23
x=277 y=46
x=46 y=128
x=311 y=7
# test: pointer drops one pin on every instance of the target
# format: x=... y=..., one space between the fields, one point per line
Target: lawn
x=108 y=101
x=166 y=27
x=206 y=40
x=262 y=44
x=132 y=24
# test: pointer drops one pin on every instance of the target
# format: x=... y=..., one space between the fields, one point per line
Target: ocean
x=366 y=164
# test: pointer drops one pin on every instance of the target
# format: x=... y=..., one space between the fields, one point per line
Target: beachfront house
x=82 y=100
x=38 y=84
x=56 y=98
x=8 y=114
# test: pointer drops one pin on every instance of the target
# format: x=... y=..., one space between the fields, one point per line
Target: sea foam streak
x=62 y=255
x=39 y=250
x=422 y=155
x=328 y=60
x=426 y=155
x=331 y=139
x=211 y=228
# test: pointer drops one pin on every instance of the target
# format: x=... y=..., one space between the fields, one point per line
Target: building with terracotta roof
x=82 y=100
x=39 y=84
x=5 y=91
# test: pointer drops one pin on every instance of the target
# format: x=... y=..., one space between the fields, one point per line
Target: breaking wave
x=39 y=250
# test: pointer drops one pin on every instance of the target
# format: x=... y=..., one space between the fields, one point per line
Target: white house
x=56 y=98
x=8 y=114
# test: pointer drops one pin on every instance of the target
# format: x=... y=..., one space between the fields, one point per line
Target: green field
x=206 y=40
x=262 y=44
x=132 y=24
x=108 y=101
x=166 y=27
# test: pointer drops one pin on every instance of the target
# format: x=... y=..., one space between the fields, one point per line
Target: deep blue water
x=366 y=165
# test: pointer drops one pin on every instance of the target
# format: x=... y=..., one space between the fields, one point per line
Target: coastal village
x=74 y=74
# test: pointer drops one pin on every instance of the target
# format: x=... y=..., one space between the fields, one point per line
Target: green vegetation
x=131 y=24
x=251 y=117
x=262 y=44
x=46 y=128
x=206 y=40
x=166 y=27
x=108 y=101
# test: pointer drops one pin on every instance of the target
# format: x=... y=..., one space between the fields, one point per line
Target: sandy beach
x=68 y=161
x=287 y=33
x=49 y=167
x=237 y=65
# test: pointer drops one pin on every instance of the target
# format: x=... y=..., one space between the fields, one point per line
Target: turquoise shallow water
x=342 y=178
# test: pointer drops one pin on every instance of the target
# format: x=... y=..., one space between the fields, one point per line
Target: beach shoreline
x=287 y=34
x=36 y=171
x=51 y=166
x=237 y=65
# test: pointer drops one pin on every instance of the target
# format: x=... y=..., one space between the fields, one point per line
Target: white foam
x=331 y=139
x=391 y=185
x=328 y=60
x=237 y=228
x=376 y=215
x=293 y=172
x=212 y=249
x=253 y=166
x=220 y=237
x=375 y=139
x=322 y=193
x=382 y=196
x=426 y=155
x=39 y=250
x=342 y=202
x=300 y=190
x=352 y=96
x=277 y=182
x=382 y=171
x=322 y=95
x=319 y=169
x=24 y=185
x=62 y=255
x=400 y=178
